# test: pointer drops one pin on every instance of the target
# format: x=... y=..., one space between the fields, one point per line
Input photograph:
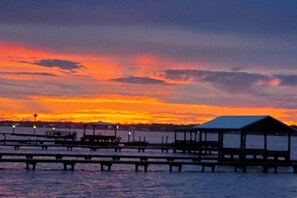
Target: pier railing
x=61 y=134
x=254 y=154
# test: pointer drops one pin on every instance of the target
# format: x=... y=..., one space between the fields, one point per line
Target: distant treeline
x=74 y=125
x=125 y=127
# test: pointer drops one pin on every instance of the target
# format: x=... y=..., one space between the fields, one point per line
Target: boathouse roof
x=245 y=123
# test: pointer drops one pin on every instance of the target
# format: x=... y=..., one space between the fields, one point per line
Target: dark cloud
x=62 y=64
x=140 y=80
x=184 y=46
x=287 y=80
x=241 y=89
x=29 y=73
x=213 y=32
x=266 y=16
x=228 y=81
x=236 y=69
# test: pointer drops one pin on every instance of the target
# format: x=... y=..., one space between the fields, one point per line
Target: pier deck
x=69 y=145
x=107 y=161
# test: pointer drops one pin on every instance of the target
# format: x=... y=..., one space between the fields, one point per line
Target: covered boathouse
x=196 y=139
x=100 y=138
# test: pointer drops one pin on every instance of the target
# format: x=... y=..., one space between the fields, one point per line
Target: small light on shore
x=34 y=129
x=13 y=128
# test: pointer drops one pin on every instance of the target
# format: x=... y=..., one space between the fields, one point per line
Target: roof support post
x=289 y=145
x=220 y=146
x=244 y=139
x=185 y=136
x=196 y=136
x=265 y=141
x=115 y=131
x=241 y=140
x=175 y=136
x=85 y=128
x=265 y=145
x=242 y=145
x=94 y=126
x=200 y=146
x=205 y=145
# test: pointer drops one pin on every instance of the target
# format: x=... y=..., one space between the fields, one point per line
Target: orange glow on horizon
x=128 y=110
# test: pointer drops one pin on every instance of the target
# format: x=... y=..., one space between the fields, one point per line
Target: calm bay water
x=22 y=183
x=50 y=180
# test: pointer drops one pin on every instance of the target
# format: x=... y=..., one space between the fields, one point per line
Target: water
x=50 y=180
x=79 y=183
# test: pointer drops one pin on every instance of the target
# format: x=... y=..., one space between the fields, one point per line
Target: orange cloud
x=147 y=60
x=17 y=58
x=271 y=82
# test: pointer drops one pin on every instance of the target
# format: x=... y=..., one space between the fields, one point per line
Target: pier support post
x=106 y=164
x=32 y=163
x=117 y=148
x=116 y=158
x=265 y=169
x=275 y=169
x=143 y=159
x=235 y=168
x=71 y=165
x=213 y=168
x=179 y=165
x=29 y=156
x=44 y=147
x=93 y=149
x=16 y=147
x=58 y=157
x=69 y=148
x=145 y=165
x=137 y=165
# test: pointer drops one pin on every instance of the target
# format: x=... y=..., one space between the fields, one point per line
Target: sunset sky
x=147 y=61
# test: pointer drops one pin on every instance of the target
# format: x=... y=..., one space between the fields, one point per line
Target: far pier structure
x=100 y=138
x=197 y=140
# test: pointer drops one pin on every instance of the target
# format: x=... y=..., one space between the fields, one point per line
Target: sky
x=147 y=61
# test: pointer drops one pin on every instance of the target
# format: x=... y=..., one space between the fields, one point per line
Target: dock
x=197 y=150
x=105 y=162
x=48 y=134
x=92 y=146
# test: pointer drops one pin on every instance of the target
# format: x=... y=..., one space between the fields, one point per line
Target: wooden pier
x=202 y=152
x=70 y=145
x=65 y=135
x=107 y=161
